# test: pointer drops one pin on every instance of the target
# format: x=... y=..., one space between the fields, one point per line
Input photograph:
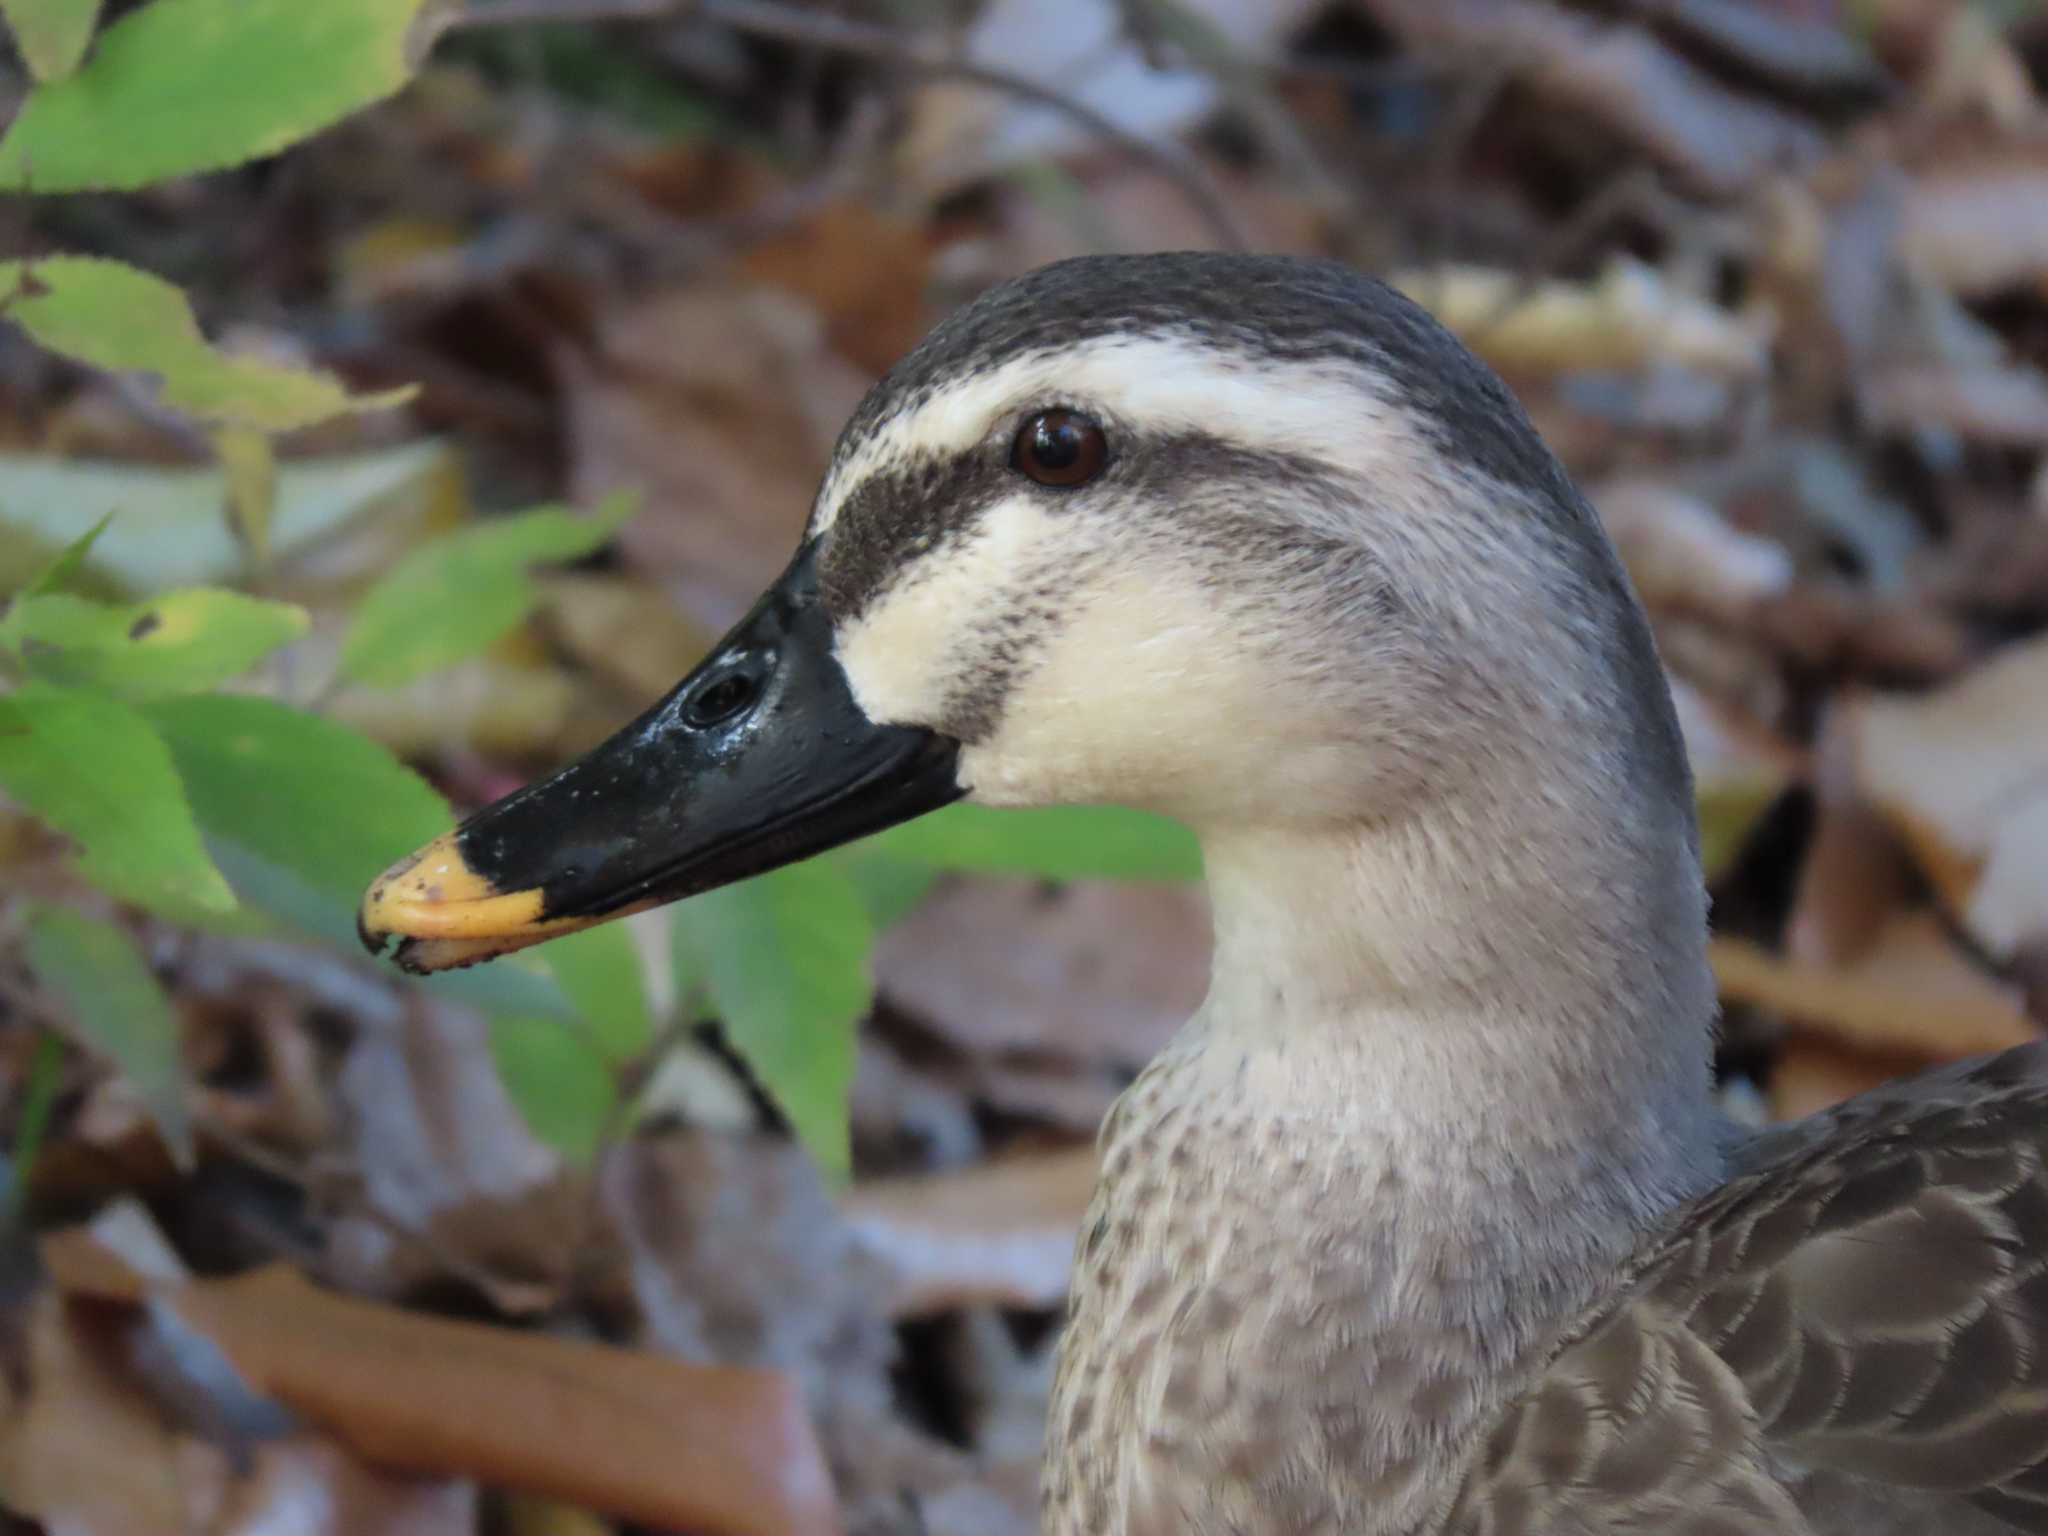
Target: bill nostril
x=722 y=698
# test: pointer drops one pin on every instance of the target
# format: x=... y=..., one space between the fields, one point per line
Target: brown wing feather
x=1867 y=1295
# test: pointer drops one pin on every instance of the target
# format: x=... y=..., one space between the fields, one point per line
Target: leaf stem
x=39 y=1098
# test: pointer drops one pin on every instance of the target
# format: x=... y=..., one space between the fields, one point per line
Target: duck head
x=1250 y=541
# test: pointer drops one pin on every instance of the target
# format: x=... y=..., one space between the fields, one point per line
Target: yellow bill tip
x=445 y=915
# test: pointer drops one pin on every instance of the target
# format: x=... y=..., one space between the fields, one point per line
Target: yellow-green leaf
x=179 y=86
x=119 y=1010
x=249 y=465
x=93 y=768
x=52 y=34
x=63 y=570
x=451 y=598
x=786 y=959
x=113 y=316
x=180 y=642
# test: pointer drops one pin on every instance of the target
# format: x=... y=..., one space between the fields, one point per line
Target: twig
x=522 y=13
x=915 y=56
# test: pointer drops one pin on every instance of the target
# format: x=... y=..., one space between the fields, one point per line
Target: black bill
x=758 y=758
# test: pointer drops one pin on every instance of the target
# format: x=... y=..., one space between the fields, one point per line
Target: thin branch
x=521 y=13
x=914 y=55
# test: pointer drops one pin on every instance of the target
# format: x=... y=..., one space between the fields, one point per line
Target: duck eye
x=1062 y=448
x=722 y=697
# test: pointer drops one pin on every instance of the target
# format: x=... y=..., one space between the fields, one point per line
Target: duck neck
x=1508 y=1014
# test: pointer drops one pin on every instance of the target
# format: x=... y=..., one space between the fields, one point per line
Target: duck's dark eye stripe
x=900 y=514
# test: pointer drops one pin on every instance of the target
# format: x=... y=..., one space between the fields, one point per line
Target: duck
x=1427 y=1220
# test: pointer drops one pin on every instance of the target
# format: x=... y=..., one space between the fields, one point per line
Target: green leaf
x=119 y=1009
x=62 y=571
x=453 y=597
x=112 y=316
x=302 y=792
x=94 y=769
x=303 y=813
x=170 y=532
x=599 y=971
x=562 y=1087
x=178 y=643
x=52 y=34
x=180 y=86
x=786 y=959
x=1081 y=842
x=890 y=888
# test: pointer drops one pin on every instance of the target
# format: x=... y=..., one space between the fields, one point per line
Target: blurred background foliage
x=401 y=394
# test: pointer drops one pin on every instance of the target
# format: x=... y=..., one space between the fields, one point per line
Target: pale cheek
x=1143 y=699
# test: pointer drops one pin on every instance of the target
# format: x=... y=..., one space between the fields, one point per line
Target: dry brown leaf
x=700 y=1448
x=286 y=1104
x=998 y=1234
x=310 y=1487
x=442 y=1152
x=82 y=1450
x=1087 y=972
x=1830 y=630
x=1812 y=1074
x=733 y=1252
x=1854 y=879
x=1681 y=551
x=1978 y=224
x=1631 y=318
x=863 y=271
x=1913 y=991
x=960 y=133
x=721 y=401
x=106 y=1443
x=1800 y=50
x=2007 y=407
x=480 y=704
x=625 y=630
x=1620 y=76
x=1962 y=773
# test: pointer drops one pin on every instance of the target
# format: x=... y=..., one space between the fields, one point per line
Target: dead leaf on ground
x=101 y=1441
x=1813 y=1073
x=1975 y=226
x=959 y=133
x=731 y=1251
x=1913 y=991
x=863 y=271
x=82 y=1450
x=1681 y=551
x=1719 y=141
x=701 y=1448
x=625 y=630
x=1088 y=972
x=2006 y=407
x=722 y=401
x=1962 y=774
x=441 y=1152
x=1630 y=318
x=999 y=1234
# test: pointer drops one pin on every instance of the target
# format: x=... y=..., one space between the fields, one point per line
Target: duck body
x=1425 y=1223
